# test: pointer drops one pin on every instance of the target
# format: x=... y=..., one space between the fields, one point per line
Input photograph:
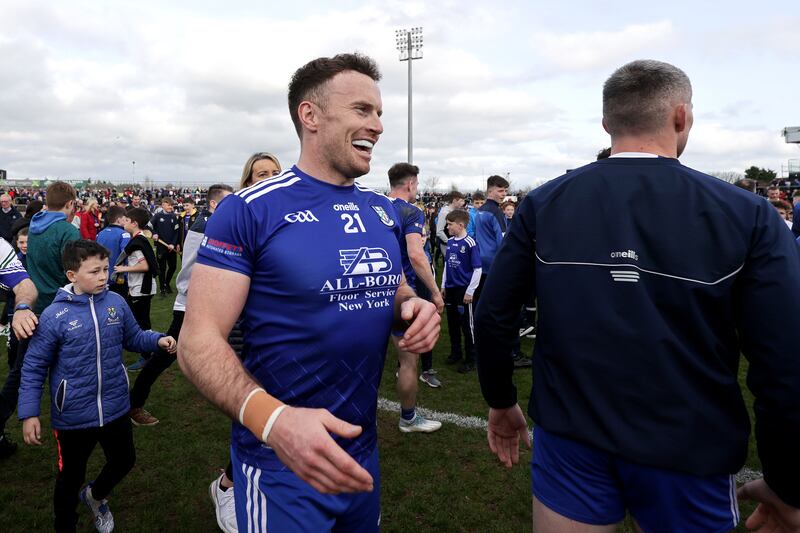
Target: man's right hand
x=32 y=431
x=771 y=515
x=301 y=439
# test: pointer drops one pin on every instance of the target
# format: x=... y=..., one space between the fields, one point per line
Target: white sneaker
x=419 y=424
x=224 y=506
x=103 y=520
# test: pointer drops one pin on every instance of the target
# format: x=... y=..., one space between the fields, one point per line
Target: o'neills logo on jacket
x=629 y=254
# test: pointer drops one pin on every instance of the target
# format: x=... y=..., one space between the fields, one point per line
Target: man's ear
x=308 y=113
x=71 y=276
x=680 y=115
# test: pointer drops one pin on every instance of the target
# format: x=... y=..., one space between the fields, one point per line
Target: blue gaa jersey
x=463 y=257
x=324 y=263
x=411 y=220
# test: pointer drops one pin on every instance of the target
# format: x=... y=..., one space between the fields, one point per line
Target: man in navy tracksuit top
x=166 y=235
x=79 y=341
x=643 y=316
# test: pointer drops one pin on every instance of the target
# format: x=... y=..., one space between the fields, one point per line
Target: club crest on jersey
x=383 y=216
x=112 y=312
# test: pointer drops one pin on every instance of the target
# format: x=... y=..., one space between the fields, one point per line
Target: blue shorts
x=277 y=500
x=595 y=487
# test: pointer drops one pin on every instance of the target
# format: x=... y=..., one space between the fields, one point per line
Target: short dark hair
x=307 y=82
x=453 y=195
x=33 y=207
x=188 y=199
x=638 y=96
x=477 y=195
x=167 y=200
x=458 y=215
x=59 y=194
x=114 y=213
x=796 y=193
x=216 y=192
x=400 y=172
x=76 y=252
x=496 y=181
x=139 y=215
x=23 y=231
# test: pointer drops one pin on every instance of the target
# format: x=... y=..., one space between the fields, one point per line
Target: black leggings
x=167 y=262
x=74 y=448
x=157 y=364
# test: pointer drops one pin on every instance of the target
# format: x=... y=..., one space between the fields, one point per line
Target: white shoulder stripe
x=617 y=265
x=470 y=241
x=364 y=188
x=271 y=188
x=264 y=183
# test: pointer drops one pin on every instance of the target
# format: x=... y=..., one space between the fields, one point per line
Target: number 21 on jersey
x=352 y=223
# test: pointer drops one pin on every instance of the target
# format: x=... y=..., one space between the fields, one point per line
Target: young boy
x=142 y=270
x=79 y=340
x=115 y=239
x=460 y=278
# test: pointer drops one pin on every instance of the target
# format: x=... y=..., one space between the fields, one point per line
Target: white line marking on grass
x=475 y=422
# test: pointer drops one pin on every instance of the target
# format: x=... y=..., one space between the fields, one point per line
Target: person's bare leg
x=406 y=376
x=545 y=520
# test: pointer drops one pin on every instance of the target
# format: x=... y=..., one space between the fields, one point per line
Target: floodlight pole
x=409 y=44
x=410 y=117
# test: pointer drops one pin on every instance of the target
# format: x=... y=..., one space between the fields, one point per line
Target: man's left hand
x=424 y=324
x=24 y=323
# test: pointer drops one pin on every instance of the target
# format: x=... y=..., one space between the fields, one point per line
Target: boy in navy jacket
x=79 y=340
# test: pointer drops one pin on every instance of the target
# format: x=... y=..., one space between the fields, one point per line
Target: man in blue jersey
x=317 y=317
x=419 y=276
x=643 y=316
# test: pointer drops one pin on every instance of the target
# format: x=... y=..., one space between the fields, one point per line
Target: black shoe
x=522 y=362
x=466 y=368
x=453 y=359
x=7 y=446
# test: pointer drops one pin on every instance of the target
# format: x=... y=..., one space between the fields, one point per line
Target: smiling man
x=317 y=318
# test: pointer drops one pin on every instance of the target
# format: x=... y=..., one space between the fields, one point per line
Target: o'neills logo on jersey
x=349 y=206
x=629 y=254
x=364 y=268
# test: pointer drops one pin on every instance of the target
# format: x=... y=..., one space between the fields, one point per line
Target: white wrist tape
x=244 y=403
x=271 y=422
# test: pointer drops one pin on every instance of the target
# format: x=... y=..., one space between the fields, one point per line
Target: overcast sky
x=189 y=89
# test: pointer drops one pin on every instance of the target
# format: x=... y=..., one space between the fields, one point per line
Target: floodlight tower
x=792 y=136
x=409 y=44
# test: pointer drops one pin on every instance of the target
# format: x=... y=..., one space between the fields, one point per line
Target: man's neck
x=399 y=195
x=316 y=168
x=461 y=235
x=655 y=144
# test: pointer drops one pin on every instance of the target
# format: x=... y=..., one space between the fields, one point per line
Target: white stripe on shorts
x=734 y=502
x=256 y=501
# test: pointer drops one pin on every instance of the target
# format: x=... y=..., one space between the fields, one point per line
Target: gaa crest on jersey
x=383 y=216
x=112 y=312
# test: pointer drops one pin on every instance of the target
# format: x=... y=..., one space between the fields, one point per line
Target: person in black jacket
x=166 y=235
x=643 y=315
x=8 y=215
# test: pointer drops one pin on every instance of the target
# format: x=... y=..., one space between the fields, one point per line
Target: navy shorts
x=595 y=487
x=270 y=500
